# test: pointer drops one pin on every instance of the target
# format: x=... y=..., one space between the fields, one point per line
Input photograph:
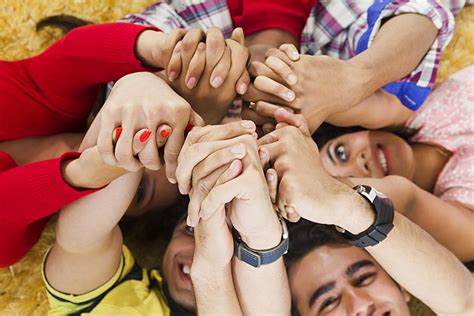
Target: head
x=328 y=276
x=367 y=154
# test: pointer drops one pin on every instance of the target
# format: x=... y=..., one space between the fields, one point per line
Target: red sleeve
x=55 y=91
x=258 y=15
x=29 y=195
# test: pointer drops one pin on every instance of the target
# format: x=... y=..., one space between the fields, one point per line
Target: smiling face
x=368 y=154
x=344 y=280
x=177 y=263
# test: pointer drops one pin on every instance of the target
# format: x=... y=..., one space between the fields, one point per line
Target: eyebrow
x=353 y=268
x=321 y=291
x=329 y=153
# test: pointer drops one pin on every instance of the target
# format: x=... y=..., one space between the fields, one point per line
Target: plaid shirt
x=340 y=29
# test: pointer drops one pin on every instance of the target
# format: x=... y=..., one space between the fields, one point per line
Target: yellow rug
x=21 y=289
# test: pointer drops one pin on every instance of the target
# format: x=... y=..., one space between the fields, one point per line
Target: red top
x=257 y=15
x=49 y=94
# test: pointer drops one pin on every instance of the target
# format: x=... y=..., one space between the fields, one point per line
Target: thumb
x=296 y=120
x=238 y=35
x=195 y=119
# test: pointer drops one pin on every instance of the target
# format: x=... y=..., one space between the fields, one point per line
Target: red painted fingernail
x=118 y=132
x=165 y=133
x=144 y=136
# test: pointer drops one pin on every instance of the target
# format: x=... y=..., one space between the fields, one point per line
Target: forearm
x=263 y=290
x=446 y=287
x=380 y=110
x=397 y=49
x=214 y=290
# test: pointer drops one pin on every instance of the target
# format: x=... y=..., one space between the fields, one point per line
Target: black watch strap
x=256 y=258
x=383 y=223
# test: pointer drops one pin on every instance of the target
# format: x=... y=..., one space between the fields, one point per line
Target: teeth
x=383 y=160
x=186 y=269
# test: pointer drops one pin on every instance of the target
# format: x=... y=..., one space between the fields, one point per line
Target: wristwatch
x=256 y=258
x=383 y=223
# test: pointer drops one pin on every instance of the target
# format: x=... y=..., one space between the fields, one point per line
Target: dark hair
x=65 y=22
x=327 y=131
x=306 y=236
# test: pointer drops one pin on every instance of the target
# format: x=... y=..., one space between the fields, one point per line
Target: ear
x=405 y=294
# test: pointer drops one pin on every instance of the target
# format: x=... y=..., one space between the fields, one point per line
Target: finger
x=258 y=68
x=272 y=87
x=282 y=69
x=222 y=194
x=272 y=183
x=204 y=174
x=254 y=94
x=268 y=128
x=249 y=114
x=172 y=149
x=215 y=47
x=238 y=35
x=140 y=140
x=123 y=148
x=196 y=66
x=194 y=120
x=297 y=120
x=196 y=153
x=116 y=134
x=275 y=151
x=221 y=70
x=233 y=171
x=198 y=194
x=279 y=54
x=291 y=51
x=267 y=139
x=292 y=215
x=264 y=157
x=239 y=57
x=243 y=83
x=268 y=109
x=190 y=43
x=167 y=48
x=174 y=66
x=105 y=143
x=162 y=133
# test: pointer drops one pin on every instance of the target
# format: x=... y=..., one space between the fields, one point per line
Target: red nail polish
x=144 y=136
x=165 y=133
x=118 y=132
x=189 y=127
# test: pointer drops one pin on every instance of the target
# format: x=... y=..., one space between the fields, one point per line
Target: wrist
x=355 y=213
x=148 y=49
x=265 y=239
x=366 y=73
x=207 y=271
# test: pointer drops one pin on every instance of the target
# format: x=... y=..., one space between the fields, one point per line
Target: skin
x=369 y=290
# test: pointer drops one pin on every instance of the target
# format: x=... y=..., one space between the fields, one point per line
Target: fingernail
x=233 y=165
x=289 y=96
x=172 y=76
x=263 y=155
x=247 y=124
x=144 y=136
x=165 y=132
x=189 y=127
x=255 y=135
x=237 y=149
x=118 y=132
x=188 y=222
x=172 y=181
x=292 y=79
x=252 y=105
x=266 y=129
x=191 y=82
x=216 y=82
x=242 y=88
x=294 y=55
x=290 y=210
x=270 y=177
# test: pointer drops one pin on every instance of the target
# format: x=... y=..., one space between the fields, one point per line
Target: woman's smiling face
x=368 y=154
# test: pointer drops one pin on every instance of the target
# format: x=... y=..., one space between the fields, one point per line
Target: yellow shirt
x=128 y=293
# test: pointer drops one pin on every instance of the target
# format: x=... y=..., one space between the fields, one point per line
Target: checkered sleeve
x=413 y=89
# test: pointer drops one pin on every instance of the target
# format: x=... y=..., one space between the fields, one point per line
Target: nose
x=359 y=302
x=362 y=162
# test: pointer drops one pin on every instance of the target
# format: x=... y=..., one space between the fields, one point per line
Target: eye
x=189 y=230
x=340 y=152
x=140 y=192
x=329 y=304
x=365 y=279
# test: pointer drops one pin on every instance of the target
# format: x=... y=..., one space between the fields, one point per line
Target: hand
x=142 y=100
x=324 y=85
x=91 y=172
x=208 y=74
x=305 y=189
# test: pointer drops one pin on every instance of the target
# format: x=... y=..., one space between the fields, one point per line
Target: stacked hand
x=207 y=70
x=315 y=86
